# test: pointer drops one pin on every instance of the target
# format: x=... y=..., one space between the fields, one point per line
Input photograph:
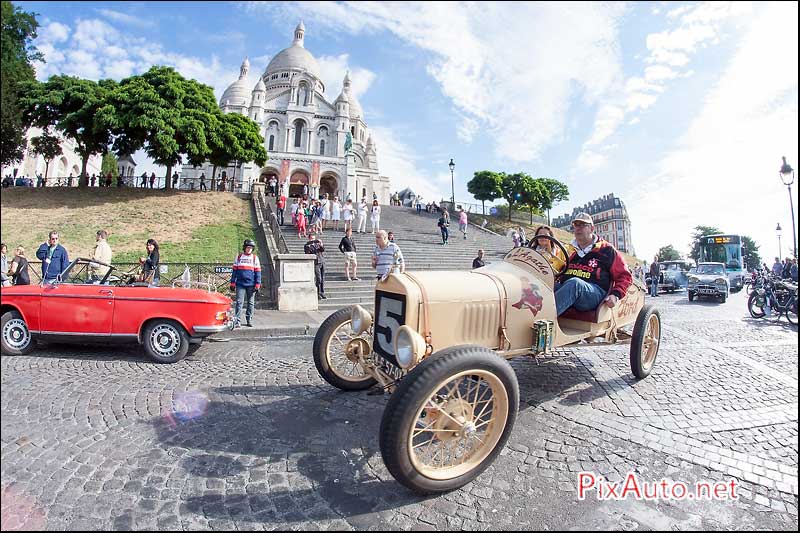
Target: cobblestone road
x=245 y=435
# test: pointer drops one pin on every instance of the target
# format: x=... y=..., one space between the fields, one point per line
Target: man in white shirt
x=386 y=256
x=102 y=253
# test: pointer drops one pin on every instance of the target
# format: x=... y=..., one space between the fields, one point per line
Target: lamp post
x=778 y=231
x=452 y=186
x=787 y=177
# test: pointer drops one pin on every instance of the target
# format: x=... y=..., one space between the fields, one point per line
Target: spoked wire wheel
x=645 y=341
x=449 y=418
x=336 y=353
x=459 y=425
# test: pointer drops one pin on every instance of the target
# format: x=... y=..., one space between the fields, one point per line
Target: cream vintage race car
x=439 y=342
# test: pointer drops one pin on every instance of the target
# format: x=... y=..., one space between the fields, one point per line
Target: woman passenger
x=546 y=247
x=150 y=264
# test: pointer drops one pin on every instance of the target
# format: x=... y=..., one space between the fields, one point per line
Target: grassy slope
x=189 y=227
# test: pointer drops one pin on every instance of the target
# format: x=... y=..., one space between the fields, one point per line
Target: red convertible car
x=78 y=308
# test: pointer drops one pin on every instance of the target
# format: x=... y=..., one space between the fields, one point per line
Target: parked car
x=709 y=280
x=439 y=342
x=167 y=321
x=673 y=275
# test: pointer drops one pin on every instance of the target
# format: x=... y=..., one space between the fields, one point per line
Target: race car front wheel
x=449 y=418
x=337 y=349
x=16 y=338
x=645 y=342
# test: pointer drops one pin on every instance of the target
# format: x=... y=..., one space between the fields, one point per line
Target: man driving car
x=596 y=272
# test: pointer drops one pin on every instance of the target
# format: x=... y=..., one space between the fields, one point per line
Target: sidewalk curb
x=306 y=330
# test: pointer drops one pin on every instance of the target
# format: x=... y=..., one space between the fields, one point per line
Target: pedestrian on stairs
x=348 y=247
x=347 y=214
x=444 y=224
x=386 y=256
x=376 y=216
x=362 y=216
x=246 y=281
x=280 y=205
x=462 y=222
x=315 y=247
x=301 y=221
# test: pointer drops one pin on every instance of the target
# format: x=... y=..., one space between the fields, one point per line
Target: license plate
x=385 y=366
x=707 y=291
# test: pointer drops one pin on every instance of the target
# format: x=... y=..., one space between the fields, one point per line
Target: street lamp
x=452 y=186
x=778 y=231
x=787 y=177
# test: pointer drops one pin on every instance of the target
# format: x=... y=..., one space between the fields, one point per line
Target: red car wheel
x=165 y=341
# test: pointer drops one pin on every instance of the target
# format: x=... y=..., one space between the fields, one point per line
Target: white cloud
x=332 y=70
x=589 y=161
x=723 y=171
x=97 y=49
x=403 y=165
x=497 y=62
x=659 y=73
x=700 y=25
x=54 y=32
x=124 y=18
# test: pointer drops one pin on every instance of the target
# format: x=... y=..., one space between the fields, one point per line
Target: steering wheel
x=532 y=244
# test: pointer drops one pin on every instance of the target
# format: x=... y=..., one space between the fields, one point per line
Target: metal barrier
x=217 y=275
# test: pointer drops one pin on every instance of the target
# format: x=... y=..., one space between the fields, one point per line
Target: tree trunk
x=484 y=207
x=548 y=217
x=531 y=216
x=214 y=178
x=168 y=178
x=46 y=166
x=83 y=181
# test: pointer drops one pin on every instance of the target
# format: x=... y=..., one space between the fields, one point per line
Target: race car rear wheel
x=449 y=419
x=16 y=338
x=336 y=349
x=645 y=342
x=165 y=341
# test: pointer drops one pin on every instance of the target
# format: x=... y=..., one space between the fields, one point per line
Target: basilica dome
x=238 y=92
x=296 y=57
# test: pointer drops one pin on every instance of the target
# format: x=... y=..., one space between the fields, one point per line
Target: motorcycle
x=775 y=297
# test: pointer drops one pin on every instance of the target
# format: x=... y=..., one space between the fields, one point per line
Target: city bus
x=725 y=249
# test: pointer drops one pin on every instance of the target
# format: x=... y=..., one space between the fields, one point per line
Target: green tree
x=750 y=255
x=234 y=138
x=71 y=105
x=49 y=147
x=109 y=164
x=515 y=187
x=485 y=185
x=165 y=114
x=556 y=192
x=16 y=55
x=699 y=232
x=668 y=253
x=535 y=198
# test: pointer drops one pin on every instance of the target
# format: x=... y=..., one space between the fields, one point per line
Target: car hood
x=707 y=278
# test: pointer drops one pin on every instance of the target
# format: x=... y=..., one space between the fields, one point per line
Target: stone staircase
x=420 y=241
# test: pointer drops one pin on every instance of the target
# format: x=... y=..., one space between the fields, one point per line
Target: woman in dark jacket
x=150 y=263
x=19 y=268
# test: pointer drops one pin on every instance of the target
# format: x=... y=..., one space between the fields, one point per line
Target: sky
x=683 y=110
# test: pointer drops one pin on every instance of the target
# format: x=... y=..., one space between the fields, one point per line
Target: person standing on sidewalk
x=376 y=216
x=348 y=248
x=315 y=247
x=246 y=281
x=203 y=182
x=655 y=269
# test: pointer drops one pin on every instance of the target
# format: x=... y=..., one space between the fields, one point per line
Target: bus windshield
x=725 y=249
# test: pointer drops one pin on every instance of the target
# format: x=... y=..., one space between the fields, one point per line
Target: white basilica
x=304 y=133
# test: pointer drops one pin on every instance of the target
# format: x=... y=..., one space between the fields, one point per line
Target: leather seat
x=583 y=316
